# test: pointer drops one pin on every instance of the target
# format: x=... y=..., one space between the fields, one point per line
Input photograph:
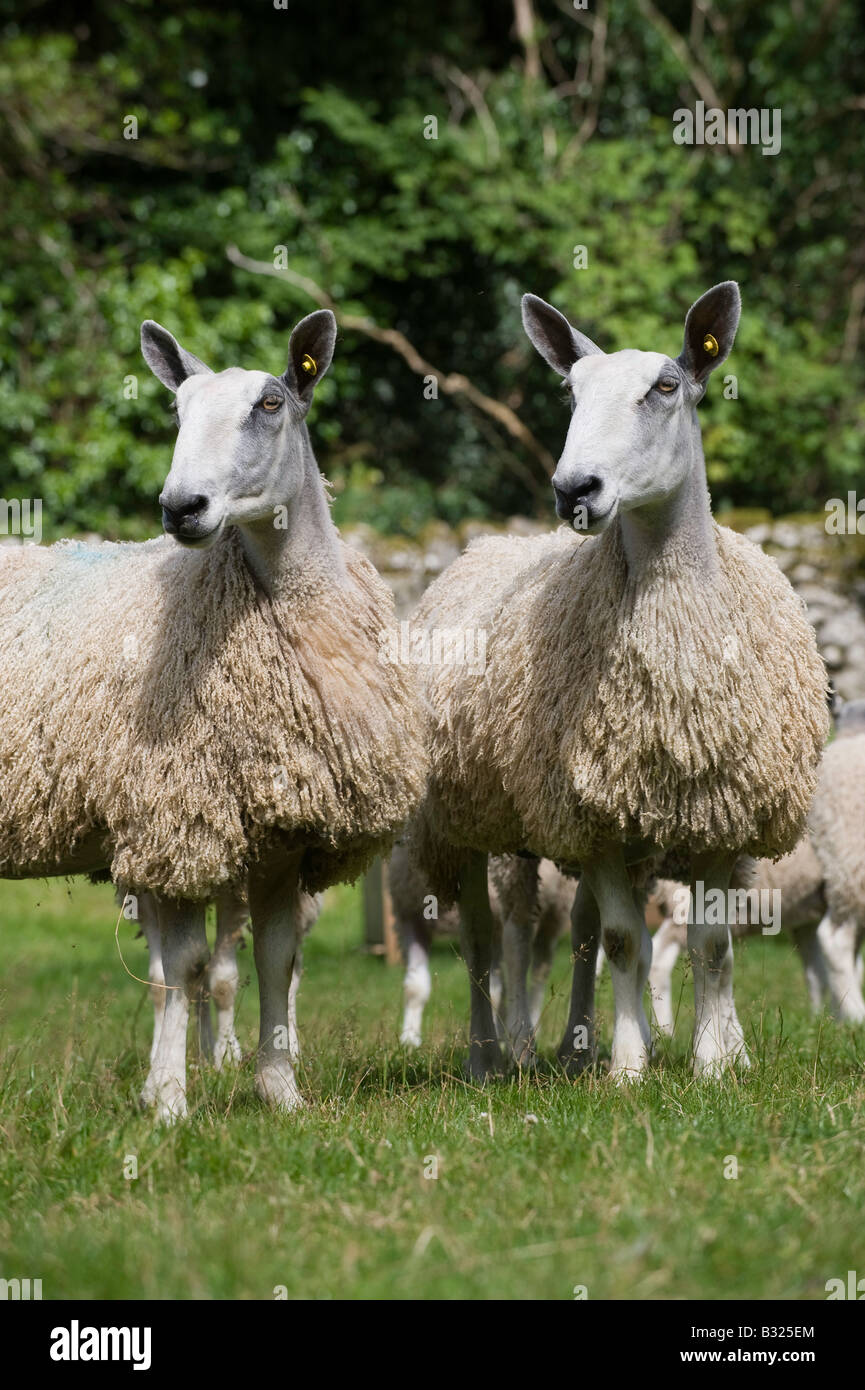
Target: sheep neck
x=678 y=528
x=297 y=552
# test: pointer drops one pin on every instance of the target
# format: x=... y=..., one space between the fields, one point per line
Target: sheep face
x=633 y=440
x=242 y=447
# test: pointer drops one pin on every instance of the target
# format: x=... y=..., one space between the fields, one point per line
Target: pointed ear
x=167 y=360
x=559 y=344
x=310 y=350
x=710 y=328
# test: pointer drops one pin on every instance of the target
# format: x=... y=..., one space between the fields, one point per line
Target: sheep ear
x=167 y=360
x=559 y=344
x=710 y=328
x=310 y=351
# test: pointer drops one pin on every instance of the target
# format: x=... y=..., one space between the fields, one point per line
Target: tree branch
x=526 y=26
x=697 y=75
x=451 y=383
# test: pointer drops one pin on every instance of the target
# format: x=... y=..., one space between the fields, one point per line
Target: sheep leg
x=543 y=951
x=814 y=964
x=838 y=944
x=600 y=962
x=476 y=933
x=718 y=1037
x=577 y=1048
x=667 y=944
x=415 y=934
x=184 y=960
x=274 y=900
x=628 y=947
x=498 y=998
x=297 y=972
x=232 y=916
x=149 y=921
x=516 y=953
x=204 y=1022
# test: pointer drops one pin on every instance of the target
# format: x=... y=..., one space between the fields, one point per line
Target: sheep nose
x=182 y=513
x=580 y=492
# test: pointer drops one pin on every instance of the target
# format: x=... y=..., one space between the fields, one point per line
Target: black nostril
x=184 y=509
x=582 y=490
x=193 y=504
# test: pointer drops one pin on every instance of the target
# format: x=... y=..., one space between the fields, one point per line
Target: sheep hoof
x=170 y=1103
x=574 y=1064
x=627 y=1075
x=524 y=1057
x=147 y=1095
x=410 y=1037
x=713 y=1068
x=484 y=1063
x=278 y=1089
x=226 y=1050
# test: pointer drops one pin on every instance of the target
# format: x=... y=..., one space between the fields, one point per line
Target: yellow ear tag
x=307 y=363
x=710 y=345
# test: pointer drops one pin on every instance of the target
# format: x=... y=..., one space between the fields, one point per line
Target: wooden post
x=380 y=937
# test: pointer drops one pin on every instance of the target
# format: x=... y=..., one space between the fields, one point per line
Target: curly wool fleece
x=836 y=821
x=687 y=709
x=156 y=696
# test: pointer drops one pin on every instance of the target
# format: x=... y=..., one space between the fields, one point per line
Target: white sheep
x=211 y=709
x=820 y=888
x=651 y=693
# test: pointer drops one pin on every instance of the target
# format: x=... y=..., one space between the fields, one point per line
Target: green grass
x=543 y=1184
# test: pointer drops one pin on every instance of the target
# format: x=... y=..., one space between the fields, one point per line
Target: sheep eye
x=667 y=386
x=270 y=403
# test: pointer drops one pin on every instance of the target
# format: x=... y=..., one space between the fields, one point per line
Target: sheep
x=211 y=709
x=835 y=826
x=821 y=887
x=652 y=695
x=530 y=903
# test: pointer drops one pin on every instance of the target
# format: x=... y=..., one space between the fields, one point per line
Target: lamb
x=531 y=905
x=211 y=709
x=652 y=695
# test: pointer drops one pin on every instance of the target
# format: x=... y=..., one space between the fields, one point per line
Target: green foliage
x=264 y=128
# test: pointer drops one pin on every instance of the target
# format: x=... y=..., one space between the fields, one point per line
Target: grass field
x=542 y=1184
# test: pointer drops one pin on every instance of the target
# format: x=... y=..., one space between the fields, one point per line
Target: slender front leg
x=415 y=934
x=837 y=942
x=577 y=1048
x=516 y=954
x=274 y=901
x=814 y=964
x=149 y=922
x=184 y=961
x=718 y=1037
x=204 y=1021
x=232 y=915
x=297 y=972
x=628 y=948
x=543 y=950
x=667 y=945
x=476 y=932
